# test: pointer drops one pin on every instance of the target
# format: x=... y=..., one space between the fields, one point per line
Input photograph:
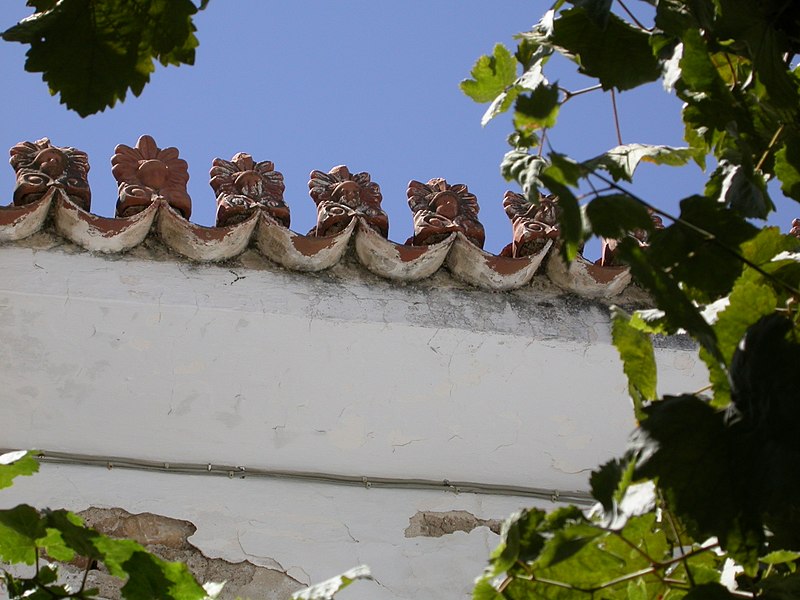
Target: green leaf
x=651 y=320
x=92 y=53
x=597 y=10
x=780 y=557
x=673 y=17
x=500 y=105
x=610 y=480
x=150 y=577
x=491 y=75
x=566 y=542
x=637 y=590
x=704 y=260
x=520 y=539
x=42 y=5
x=780 y=587
x=539 y=109
x=16 y=464
x=787 y=167
x=75 y=534
x=706 y=471
x=741 y=189
x=561 y=173
x=638 y=359
x=617 y=54
x=55 y=547
x=679 y=311
x=614 y=216
x=20 y=527
x=621 y=162
x=525 y=169
x=484 y=590
x=327 y=589
x=710 y=591
x=748 y=302
x=115 y=552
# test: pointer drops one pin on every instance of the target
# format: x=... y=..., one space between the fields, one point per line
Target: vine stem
x=768 y=148
x=85 y=575
x=569 y=94
x=707 y=235
x=683 y=557
x=616 y=115
x=633 y=17
x=643 y=554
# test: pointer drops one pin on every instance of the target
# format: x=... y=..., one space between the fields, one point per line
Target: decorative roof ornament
x=243 y=186
x=441 y=209
x=153 y=202
x=41 y=166
x=146 y=173
x=532 y=223
x=608 y=248
x=340 y=196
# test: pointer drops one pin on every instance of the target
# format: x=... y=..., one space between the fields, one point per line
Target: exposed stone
x=437 y=524
x=168 y=539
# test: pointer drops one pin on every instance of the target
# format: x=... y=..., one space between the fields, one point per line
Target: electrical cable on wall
x=241 y=472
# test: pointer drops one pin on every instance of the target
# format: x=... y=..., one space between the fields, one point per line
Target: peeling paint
x=437 y=524
x=168 y=538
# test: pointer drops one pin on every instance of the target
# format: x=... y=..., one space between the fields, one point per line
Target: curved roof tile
x=257 y=228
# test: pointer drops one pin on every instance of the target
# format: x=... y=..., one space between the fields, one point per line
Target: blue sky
x=311 y=84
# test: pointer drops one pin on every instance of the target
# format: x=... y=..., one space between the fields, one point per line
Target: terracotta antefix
x=145 y=173
x=795 y=230
x=441 y=209
x=243 y=186
x=532 y=223
x=608 y=248
x=40 y=166
x=340 y=196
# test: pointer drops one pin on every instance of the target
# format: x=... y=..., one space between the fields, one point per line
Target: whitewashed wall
x=335 y=373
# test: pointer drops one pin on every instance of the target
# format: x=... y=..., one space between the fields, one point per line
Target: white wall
x=339 y=372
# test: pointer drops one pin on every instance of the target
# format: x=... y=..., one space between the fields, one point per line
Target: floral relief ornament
x=441 y=209
x=243 y=186
x=145 y=173
x=40 y=166
x=532 y=223
x=340 y=196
